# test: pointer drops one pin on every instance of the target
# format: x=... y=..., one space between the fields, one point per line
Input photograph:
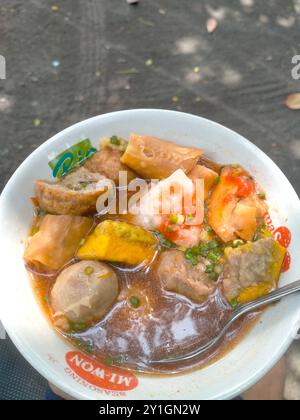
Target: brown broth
x=164 y=324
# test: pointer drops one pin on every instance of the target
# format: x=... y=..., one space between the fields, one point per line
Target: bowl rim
x=34 y=359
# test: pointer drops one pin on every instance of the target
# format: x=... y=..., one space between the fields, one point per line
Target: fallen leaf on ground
x=130 y=71
x=36 y=122
x=293 y=101
x=211 y=25
x=145 y=22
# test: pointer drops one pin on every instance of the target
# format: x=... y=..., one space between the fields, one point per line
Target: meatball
x=178 y=275
x=84 y=292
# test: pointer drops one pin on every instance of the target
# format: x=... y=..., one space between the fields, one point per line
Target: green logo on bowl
x=71 y=158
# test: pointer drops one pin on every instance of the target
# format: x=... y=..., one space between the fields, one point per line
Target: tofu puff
x=56 y=241
x=153 y=158
x=207 y=175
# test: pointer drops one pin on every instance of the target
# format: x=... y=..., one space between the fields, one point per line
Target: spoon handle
x=272 y=297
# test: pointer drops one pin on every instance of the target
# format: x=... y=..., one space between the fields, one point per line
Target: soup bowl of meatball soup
x=129 y=239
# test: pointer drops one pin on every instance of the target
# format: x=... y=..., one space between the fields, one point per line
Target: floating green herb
x=114 y=140
x=234 y=303
x=213 y=275
x=237 y=242
x=212 y=257
x=217 y=180
x=77 y=326
x=108 y=360
x=34 y=231
x=135 y=302
x=88 y=270
x=83 y=345
x=165 y=242
x=213 y=244
x=189 y=217
x=209 y=268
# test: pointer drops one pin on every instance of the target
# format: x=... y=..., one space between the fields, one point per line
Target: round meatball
x=84 y=292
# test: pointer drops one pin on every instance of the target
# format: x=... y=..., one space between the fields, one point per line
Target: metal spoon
x=237 y=313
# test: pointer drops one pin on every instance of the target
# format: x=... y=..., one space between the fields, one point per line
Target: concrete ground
x=69 y=60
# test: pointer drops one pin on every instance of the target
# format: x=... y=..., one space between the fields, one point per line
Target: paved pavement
x=69 y=60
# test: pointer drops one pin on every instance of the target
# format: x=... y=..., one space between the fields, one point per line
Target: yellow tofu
x=119 y=242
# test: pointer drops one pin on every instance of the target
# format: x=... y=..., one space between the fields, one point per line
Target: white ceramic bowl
x=53 y=358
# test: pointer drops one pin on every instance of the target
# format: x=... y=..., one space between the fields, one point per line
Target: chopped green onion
x=213 y=275
x=114 y=140
x=82 y=242
x=218 y=251
x=88 y=270
x=121 y=359
x=34 y=231
x=237 y=242
x=234 y=303
x=255 y=237
x=213 y=244
x=209 y=268
x=188 y=253
x=173 y=219
x=262 y=196
x=189 y=217
x=109 y=360
x=165 y=242
x=78 y=326
x=235 y=165
x=212 y=257
x=262 y=226
x=209 y=229
x=194 y=261
x=191 y=255
x=87 y=346
x=217 y=180
x=204 y=248
x=134 y=301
